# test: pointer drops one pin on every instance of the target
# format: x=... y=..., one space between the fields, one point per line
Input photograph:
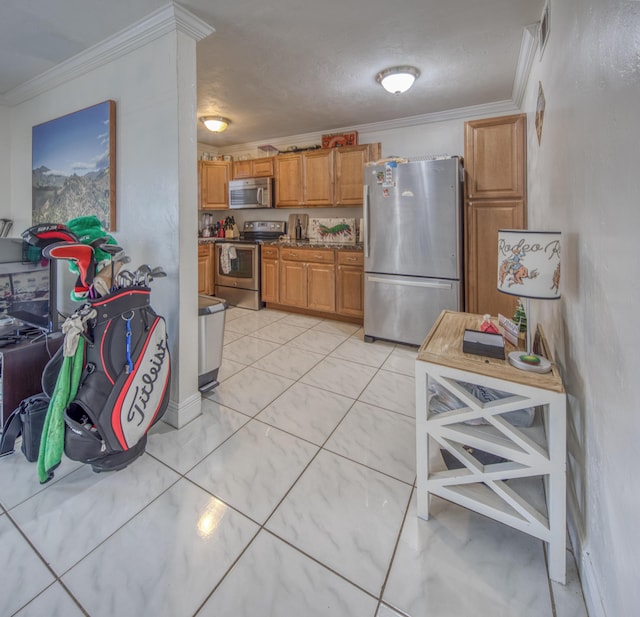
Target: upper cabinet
x=495 y=198
x=288 y=180
x=253 y=168
x=494 y=156
x=326 y=177
x=318 y=178
x=348 y=164
x=213 y=177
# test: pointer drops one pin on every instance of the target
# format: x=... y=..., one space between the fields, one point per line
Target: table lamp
x=529 y=267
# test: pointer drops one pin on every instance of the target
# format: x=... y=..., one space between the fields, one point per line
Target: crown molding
x=525 y=60
x=167 y=19
x=306 y=139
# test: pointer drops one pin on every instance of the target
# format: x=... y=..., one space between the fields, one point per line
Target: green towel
x=52 y=442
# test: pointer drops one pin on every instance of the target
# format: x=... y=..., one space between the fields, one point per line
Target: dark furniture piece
x=21 y=366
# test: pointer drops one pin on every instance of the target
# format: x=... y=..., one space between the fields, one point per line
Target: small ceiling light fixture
x=217 y=124
x=397 y=79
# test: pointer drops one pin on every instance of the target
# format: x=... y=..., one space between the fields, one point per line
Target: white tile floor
x=291 y=496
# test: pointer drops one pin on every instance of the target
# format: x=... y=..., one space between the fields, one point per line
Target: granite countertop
x=297 y=244
x=305 y=244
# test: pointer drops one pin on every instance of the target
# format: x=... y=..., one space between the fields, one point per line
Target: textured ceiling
x=286 y=67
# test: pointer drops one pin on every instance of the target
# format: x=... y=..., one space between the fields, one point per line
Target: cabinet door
x=288 y=180
x=349 y=174
x=262 y=168
x=205 y=270
x=350 y=283
x=270 y=280
x=318 y=178
x=322 y=287
x=350 y=291
x=494 y=156
x=242 y=169
x=214 y=184
x=484 y=218
x=293 y=283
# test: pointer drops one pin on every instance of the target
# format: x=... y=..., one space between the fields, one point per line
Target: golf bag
x=124 y=386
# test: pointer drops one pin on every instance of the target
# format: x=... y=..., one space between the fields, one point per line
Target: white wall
x=584 y=181
x=5 y=165
x=155 y=177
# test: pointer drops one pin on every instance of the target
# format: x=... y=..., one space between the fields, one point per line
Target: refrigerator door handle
x=365 y=215
x=377 y=279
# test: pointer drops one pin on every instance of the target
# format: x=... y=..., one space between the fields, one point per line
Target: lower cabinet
x=321 y=286
x=270 y=274
x=307 y=278
x=350 y=284
x=205 y=269
x=314 y=280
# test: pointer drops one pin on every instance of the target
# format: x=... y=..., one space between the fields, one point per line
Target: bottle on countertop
x=298 y=230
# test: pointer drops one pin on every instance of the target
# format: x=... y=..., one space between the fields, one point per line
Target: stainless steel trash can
x=211 y=314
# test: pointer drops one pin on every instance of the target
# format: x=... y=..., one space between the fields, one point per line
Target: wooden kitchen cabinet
x=304 y=178
x=318 y=177
x=289 y=180
x=350 y=283
x=253 y=168
x=494 y=156
x=349 y=164
x=213 y=178
x=484 y=218
x=205 y=269
x=293 y=283
x=321 y=287
x=307 y=278
x=326 y=177
x=270 y=274
x=495 y=198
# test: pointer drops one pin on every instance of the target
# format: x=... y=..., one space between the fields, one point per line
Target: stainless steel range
x=237 y=263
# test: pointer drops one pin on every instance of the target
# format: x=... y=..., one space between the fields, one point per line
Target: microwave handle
x=259 y=195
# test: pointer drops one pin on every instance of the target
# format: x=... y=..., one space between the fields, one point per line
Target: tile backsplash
x=338 y=230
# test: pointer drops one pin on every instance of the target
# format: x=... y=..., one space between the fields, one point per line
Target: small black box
x=483 y=344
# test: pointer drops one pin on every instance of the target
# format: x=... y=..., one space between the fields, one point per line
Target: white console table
x=507 y=491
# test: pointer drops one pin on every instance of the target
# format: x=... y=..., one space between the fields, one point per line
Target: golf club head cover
x=44 y=234
x=77 y=252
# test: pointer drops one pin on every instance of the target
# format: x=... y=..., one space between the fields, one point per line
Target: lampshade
x=217 y=124
x=529 y=263
x=397 y=79
x=529 y=267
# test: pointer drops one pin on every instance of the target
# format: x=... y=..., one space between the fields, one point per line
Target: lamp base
x=529 y=362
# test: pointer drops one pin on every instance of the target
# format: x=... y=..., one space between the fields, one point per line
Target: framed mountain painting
x=74 y=166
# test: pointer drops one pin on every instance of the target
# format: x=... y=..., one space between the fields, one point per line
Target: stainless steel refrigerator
x=412 y=247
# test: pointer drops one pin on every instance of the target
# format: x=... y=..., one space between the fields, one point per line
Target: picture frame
x=74 y=166
x=337 y=140
x=544 y=27
x=540 y=105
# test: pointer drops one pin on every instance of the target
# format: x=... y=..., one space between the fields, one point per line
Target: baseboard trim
x=588 y=578
x=180 y=414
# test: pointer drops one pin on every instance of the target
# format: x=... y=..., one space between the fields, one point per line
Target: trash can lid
x=210 y=304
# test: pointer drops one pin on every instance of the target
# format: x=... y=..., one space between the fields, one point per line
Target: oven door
x=241 y=271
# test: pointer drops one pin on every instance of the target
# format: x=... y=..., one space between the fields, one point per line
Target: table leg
x=422 y=440
x=556 y=497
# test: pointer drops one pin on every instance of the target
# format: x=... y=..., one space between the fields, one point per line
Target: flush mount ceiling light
x=397 y=79
x=217 y=124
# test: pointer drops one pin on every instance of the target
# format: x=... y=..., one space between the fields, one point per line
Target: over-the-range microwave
x=251 y=193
